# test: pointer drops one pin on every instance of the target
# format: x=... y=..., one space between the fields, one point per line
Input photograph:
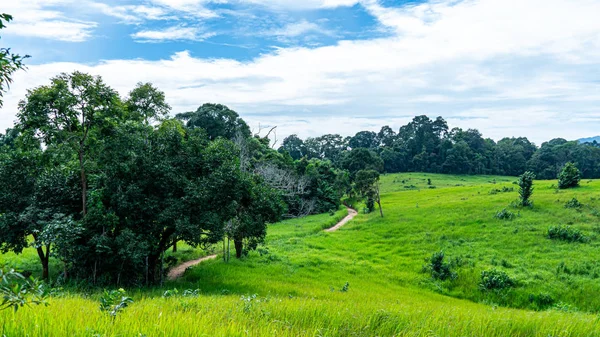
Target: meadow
x=368 y=278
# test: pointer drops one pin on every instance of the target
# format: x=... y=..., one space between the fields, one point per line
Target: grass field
x=367 y=279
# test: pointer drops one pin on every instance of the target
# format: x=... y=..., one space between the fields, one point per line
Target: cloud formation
x=509 y=68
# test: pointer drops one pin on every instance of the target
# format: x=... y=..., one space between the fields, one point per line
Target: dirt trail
x=178 y=271
x=351 y=214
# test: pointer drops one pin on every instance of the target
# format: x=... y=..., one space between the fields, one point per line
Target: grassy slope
x=298 y=281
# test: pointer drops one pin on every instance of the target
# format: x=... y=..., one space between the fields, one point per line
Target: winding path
x=178 y=271
x=351 y=214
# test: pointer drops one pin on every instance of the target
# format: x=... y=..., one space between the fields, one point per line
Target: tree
x=361 y=159
x=569 y=176
x=66 y=114
x=293 y=145
x=217 y=120
x=258 y=206
x=156 y=184
x=364 y=139
x=9 y=62
x=147 y=103
x=367 y=185
x=526 y=188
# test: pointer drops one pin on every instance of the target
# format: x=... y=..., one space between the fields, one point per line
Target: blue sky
x=506 y=67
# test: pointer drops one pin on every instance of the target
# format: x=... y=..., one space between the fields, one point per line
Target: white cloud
x=507 y=67
x=44 y=19
x=303 y=4
x=171 y=34
x=132 y=14
x=298 y=29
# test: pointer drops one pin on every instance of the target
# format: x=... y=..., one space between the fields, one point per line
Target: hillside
x=367 y=278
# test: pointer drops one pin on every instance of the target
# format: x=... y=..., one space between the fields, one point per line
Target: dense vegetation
x=107 y=184
x=426 y=145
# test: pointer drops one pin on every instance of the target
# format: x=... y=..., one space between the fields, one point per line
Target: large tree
x=217 y=120
x=66 y=113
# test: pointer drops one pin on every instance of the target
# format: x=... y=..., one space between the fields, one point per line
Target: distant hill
x=590 y=140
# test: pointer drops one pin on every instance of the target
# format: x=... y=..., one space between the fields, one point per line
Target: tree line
x=106 y=184
x=428 y=145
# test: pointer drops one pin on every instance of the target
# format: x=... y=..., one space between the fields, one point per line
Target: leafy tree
x=293 y=145
x=9 y=62
x=569 y=176
x=258 y=206
x=147 y=103
x=32 y=198
x=526 y=188
x=364 y=139
x=361 y=159
x=217 y=120
x=366 y=184
x=66 y=113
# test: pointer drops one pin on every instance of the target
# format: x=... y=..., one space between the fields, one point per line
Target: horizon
x=508 y=69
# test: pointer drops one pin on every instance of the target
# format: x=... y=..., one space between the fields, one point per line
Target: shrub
x=505 y=215
x=569 y=176
x=526 y=188
x=114 y=301
x=573 y=203
x=439 y=269
x=495 y=280
x=566 y=233
x=16 y=291
x=542 y=300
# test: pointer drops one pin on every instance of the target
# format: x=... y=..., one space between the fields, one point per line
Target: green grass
x=299 y=273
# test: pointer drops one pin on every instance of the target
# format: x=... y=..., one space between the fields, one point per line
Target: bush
x=569 y=176
x=495 y=280
x=566 y=233
x=541 y=301
x=505 y=215
x=573 y=203
x=438 y=268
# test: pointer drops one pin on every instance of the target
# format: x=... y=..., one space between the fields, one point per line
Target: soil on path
x=178 y=271
x=351 y=214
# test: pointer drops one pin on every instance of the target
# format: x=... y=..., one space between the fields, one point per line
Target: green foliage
x=494 y=279
x=525 y=183
x=438 y=268
x=17 y=291
x=569 y=176
x=573 y=203
x=9 y=62
x=505 y=215
x=217 y=120
x=114 y=302
x=566 y=233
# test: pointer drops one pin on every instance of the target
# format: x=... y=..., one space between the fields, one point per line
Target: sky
x=310 y=67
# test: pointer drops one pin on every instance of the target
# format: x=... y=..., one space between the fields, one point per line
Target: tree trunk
x=83 y=181
x=380 y=209
x=175 y=246
x=239 y=246
x=44 y=260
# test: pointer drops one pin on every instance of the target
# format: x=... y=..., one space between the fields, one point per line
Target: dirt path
x=351 y=214
x=178 y=271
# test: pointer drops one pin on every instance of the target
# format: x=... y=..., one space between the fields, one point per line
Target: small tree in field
x=526 y=188
x=569 y=176
x=366 y=184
